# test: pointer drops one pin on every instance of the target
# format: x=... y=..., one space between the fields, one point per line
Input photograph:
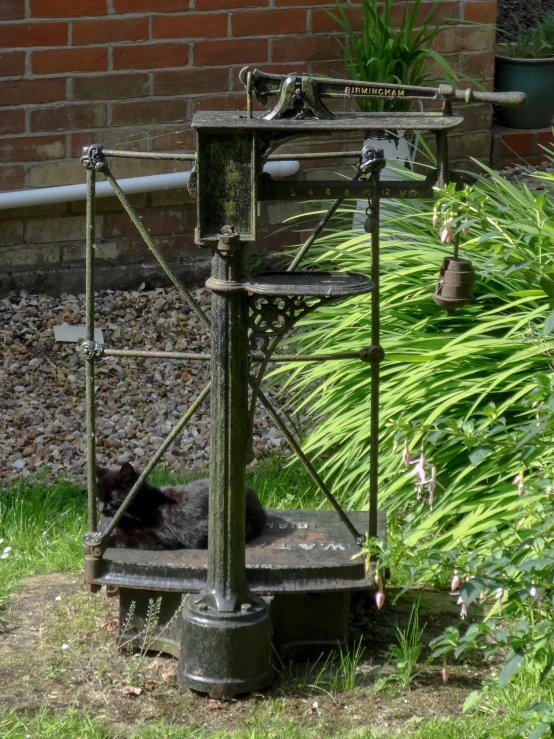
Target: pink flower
x=432 y=484
x=406 y=457
x=435 y=219
x=454 y=583
x=463 y=611
x=380 y=599
x=445 y=674
x=446 y=235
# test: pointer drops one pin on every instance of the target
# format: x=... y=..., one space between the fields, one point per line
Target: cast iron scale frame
x=222 y=608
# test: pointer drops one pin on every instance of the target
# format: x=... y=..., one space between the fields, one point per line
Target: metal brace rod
x=203 y=357
x=153 y=248
x=89 y=336
x=178 y=156
x=320 y=226
x=100 y=539
x=283 y=428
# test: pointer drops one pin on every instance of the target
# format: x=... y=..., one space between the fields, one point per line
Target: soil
x=60 y=649
x=514 y=12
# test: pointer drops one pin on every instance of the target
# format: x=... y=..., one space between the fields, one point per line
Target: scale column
x=225 y=647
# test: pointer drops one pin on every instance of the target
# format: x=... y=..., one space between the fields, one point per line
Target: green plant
x=339 y=668
x=473 y=390
x=404 y=656
x=389 y=52
x=534 y=43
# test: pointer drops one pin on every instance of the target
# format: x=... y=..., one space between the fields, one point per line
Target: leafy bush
x=534 y=43
x=473 y=390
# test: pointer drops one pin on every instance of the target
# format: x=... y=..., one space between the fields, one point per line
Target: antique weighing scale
x=224 y=610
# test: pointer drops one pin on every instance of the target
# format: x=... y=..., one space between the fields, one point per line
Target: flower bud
x=445 y=674
x=406 y=457
x=463 y=611
x=435 y=219
x=454 y=583
x=380 y=599
x=446 y=235
x=466 y=229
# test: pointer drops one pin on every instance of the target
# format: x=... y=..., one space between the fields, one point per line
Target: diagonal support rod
x=153 y=248
x=295 y=446
x=98 y=540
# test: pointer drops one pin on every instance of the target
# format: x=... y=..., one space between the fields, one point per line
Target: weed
x=405 y=655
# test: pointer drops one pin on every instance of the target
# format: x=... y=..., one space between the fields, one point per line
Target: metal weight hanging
x=455 y=283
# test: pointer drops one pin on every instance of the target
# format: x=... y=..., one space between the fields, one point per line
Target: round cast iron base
x=225 y=654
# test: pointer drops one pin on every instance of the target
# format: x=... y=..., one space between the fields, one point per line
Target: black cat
x=163 y=518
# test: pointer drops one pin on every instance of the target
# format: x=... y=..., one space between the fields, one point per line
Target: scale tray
x=321 y=284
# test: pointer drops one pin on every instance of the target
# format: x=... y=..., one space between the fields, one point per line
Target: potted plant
x=390 y=52
x=528 y=65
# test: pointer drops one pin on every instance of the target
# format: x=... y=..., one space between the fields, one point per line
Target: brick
x=11 y=233
x=149 y=111
x=23 y=92
x=116 y=138
x=233 y=101
x=110 y=87
x=171 y=138
x=18 y=257
x=33 y=34
x=12 y=63
x=517 y=142
x=55 y=174
x=108 y=31
x=65 y=9
x=446 y=11
x=229 y=4
x=212 y=25
x=12 y=121
x=236 y=51
x=69 y=117
x=12 y=178
x=260 y=22
x=482 y=11
x=323 y=22
x=293 y=3
x=158 y=223
x=54 y=61
x=32 y=148
x=33 y=211
x=545 y=137
x=479 y=66
x=146 y=6
x=302 y=49
x=12 y=10
x=54 y=230
x=151 y=56
x=190 y=81
x=465 y=38
x=273 y=68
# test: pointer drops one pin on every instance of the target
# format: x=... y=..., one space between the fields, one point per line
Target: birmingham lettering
x=383 y=91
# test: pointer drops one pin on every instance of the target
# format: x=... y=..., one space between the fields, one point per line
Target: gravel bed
x=42 y=396
x=512 y=12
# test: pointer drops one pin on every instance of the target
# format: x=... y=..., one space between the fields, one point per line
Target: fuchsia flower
x=435 y=220
x=455 y=582
x=446 y=235
x=445 y=674
x=463 y=611
x=406 y=456
x=431 y=485
x=380 y=599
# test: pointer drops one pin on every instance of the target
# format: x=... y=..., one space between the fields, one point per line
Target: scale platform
x=320 y=284
x=299 y=552
x=302 y=565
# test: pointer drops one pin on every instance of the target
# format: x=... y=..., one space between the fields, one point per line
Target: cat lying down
x=173 y=517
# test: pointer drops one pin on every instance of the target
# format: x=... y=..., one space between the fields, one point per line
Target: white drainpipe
x=130 y=185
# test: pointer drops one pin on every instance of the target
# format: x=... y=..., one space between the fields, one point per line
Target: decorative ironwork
x=92 y=157
x=274 y=316
x=90 y=350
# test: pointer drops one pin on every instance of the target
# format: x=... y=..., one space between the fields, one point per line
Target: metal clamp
x=90 y=350
x=92 y=157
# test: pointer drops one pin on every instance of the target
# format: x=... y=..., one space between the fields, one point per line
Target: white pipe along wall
x=130 y=186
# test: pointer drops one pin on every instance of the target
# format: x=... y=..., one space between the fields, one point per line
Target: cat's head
x=112 y=487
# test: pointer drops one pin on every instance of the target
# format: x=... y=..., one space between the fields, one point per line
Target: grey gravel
x=42 y=398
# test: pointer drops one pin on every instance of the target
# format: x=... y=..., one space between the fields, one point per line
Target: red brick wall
x=134 y=71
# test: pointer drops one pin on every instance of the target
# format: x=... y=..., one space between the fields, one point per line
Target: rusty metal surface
x=221 y=120
x=300 y=552
x=325 y=284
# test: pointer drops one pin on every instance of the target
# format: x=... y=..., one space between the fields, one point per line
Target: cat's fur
x=163 y=518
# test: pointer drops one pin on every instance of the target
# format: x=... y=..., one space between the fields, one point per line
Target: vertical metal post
x=375 y=364
x=226 y=587
x=89 y=337
x=443 y=166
